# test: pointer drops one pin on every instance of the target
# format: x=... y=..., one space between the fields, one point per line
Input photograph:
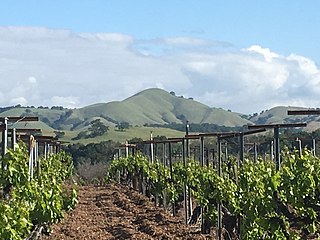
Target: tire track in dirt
x=118 y=212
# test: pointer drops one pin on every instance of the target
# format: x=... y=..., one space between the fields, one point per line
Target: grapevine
x=27 y=203
x=268 y=204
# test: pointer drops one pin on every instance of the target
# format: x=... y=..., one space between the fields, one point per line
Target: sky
x=246 y=56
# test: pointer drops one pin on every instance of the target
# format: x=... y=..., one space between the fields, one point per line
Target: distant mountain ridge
x=153 y=106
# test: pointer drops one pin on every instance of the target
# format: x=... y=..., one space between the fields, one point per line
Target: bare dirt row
x=118 y=212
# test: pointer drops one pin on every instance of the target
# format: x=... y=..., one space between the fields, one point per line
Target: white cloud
x=68 y=102
x=18 y=100
x=48 y=67
x=265 y=52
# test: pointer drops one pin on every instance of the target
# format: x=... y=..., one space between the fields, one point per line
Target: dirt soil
x=118 y=212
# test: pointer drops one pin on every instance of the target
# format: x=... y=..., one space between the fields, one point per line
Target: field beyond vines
x=118 y=212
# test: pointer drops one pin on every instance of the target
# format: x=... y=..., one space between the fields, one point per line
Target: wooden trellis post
x=184 y=161
x=151 y=148
x=4 y=136
x=3 y=128
x=185 y=199
x=31 y=156
x=187 y=140
x=13 y=139
x=188 y=192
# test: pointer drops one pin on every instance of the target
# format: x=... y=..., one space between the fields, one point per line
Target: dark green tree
x=97 y=128
x=92 y=152
x=122 y=126
x=59 y=134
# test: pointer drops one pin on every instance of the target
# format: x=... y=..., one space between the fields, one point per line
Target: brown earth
x=118 y=212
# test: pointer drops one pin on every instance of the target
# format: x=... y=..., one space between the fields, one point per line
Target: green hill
x=279 y=114
x=151 y=106
x=156 y=106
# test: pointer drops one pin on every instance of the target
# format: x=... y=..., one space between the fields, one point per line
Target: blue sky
x=283 y=26
x=279 y=39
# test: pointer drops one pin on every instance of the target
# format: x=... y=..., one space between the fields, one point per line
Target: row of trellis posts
x=37 y=144
x=220 y=137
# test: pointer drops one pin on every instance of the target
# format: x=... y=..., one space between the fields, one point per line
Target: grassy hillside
x=279 y=115
x=33 y=125
x=122 y=136
x=49 y=115
x=151 y=106
x=158 y=106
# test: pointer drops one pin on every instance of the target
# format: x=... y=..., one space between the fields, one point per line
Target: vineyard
x=28 y=204
x=256 y=201
x=174 y=188
x=33 y=190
